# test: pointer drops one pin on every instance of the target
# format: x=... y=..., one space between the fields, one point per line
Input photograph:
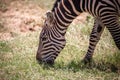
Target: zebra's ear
x=49 y=15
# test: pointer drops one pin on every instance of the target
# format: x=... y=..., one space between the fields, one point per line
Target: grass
x=17 y=57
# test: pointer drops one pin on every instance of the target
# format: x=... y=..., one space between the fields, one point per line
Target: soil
x=20 y=17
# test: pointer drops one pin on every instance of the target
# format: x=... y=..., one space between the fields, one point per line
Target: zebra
x=52 y=40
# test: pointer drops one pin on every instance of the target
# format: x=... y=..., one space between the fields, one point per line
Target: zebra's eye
x=44 y=38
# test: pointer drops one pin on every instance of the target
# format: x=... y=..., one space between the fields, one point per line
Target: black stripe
x=68 y=5
x=95 y=7
x=77 y=5
x=91 y=6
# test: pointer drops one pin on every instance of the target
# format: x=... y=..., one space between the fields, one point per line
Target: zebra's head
x=51 y=42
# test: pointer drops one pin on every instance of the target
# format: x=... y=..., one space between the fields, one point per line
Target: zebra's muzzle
x=48 y=61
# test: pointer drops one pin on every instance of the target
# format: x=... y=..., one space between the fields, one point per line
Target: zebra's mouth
x=48 y=61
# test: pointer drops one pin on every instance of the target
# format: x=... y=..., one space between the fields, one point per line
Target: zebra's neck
x=65 y=14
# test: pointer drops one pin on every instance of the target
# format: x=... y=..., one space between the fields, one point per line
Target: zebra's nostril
x=50 y=62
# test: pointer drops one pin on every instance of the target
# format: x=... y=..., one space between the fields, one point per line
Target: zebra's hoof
x=87 y=60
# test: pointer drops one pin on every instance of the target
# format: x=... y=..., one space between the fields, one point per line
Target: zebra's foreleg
x=94 y=39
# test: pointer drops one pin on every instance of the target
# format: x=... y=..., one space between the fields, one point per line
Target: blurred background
x=20 y=25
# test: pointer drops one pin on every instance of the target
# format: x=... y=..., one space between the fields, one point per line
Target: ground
x=20 y=17
x=20 y=24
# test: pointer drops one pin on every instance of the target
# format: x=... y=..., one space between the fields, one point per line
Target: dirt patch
x=20 y=17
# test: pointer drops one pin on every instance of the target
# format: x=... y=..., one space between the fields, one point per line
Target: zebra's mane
x=55 y=4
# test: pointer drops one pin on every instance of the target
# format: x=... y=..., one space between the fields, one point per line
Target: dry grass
x=17 y=57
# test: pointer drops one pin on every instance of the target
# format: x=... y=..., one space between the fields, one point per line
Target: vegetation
x=18 y=62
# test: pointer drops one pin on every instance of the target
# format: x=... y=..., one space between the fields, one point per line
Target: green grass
x=17 y=57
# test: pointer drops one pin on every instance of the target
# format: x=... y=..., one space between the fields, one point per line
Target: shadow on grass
x=101 y=65
x=77 y=66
